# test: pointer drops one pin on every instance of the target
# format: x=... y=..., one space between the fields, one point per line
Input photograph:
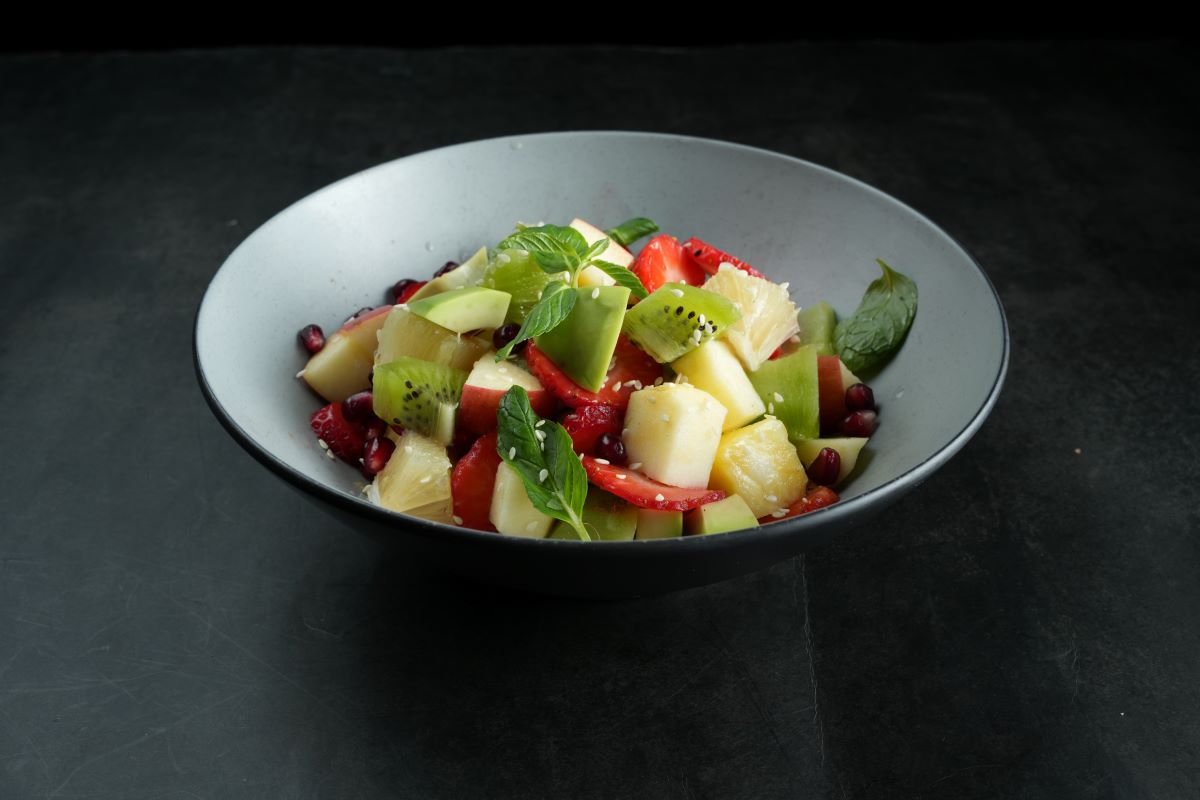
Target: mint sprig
x=872 y=335
x=555 y=248
x=541 y=453
x=554 y=306
x=623 y=277
x=631 y=230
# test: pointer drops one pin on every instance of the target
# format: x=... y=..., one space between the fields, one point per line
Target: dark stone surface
x=175 y=623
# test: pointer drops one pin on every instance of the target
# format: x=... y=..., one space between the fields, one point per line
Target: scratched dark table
x=176 y=623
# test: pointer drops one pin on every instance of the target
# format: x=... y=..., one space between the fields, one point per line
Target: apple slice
x=487 y=383
x=833 y=379
x=614 y=254
x=343 y=366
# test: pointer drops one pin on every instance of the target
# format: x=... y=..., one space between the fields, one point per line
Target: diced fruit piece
x=363 y=328
x=643 y=492
x=512 y=512
x=470 y=308
x=406 y=334
x=834 y=379
x=312 y=338
x=676 y=319
x=848 y=449
x=859 y=423
x=673 y=431
x=714 y=368
x=515 y=272
x=761 y=465
x=610 y=448
x=469 y=273
x=723 y=516
x=631 y=370
x=710 y=259
x=375 y=456
x=662 y=261
x=487 y=383
x=817 y=323
x=768 y=315
x=583 y=344
x=505 y=334
x=343 y=366
x=653 y=524
x=825 y=468
x=419 y=395
x=789 y=388
x=359 y=407
x=606 y=517
x=342 y=436
x=859 y=397
x=416 y=479
x=816 y=497
x=473 y=482
x=588 y=423
x=614 y=254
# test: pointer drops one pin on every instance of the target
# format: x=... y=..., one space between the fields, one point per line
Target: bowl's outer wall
x=340 y=248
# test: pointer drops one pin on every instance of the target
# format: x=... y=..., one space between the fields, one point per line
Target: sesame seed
x=601 y=460
x=457 y=519
x=658 y=381
x=539 y=423
x=620 y=476
x=696 y=335
x=636 y=465
x=636 y=385
x=580 y=456
x=724 y=265
x=772 y=498
x=771 y=408
x=617 y=386
x=659 y=497
x=330 y=455
x=700 y=319
x=512 y=454
x=541 y=435
x=426 y=479
x=408 y=448
x=300 y=374
x=531 y=527
x=778 y=397
x=595 y=292
x=543 y=446
x=779 y=512
x=545 y=473
x=677 y=292
x=601 y=389
x=324 y=445
x=666 y=417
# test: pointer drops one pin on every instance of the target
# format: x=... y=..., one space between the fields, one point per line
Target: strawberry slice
x=344 y=438
x=589 y=423
x=632 y=370
x=710 y=259
x=817 y=497
x=472 y=482
x=662 y=260
x=644 y=492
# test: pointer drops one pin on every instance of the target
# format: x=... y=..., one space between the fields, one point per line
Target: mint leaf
x=631 y=230
x=873 y=334
x=622 y=276
x=553 y=247
x=595 y=250
x=541 y=453
x=545 y=316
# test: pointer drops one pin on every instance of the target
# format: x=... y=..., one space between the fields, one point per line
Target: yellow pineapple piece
x=416 y=479
x=759 y=464
x=768 y=314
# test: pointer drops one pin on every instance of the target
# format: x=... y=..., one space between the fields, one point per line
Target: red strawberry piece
x=588 y=423
x=376 y=455
x=710 y=259
x=817 y=497
x=644 y=492
x=663 y=260
x=472 y=482
x=343 y=437
x=405 y=289
x=633 y=369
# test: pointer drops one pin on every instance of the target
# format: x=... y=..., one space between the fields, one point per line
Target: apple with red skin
x=343 y=366
x=833 y=379
x=487 y=383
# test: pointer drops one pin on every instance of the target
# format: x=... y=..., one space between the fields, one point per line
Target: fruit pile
x=557 y=386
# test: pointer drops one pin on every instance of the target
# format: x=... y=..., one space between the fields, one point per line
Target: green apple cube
x=583 y=344
x=652 y=524
x=512 y=512
x=673 y=431
x=714 y=368
x=470 y=308
x=723 y=516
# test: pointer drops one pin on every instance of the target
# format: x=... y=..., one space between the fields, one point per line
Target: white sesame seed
x=539 y=423
x=457 y=519
x=697 y=335
x=601 y=389
x=621 y=476
x=541 y=435
x=700 y=319
x=666 y=417
x=768 y=416
x=531 y=527
x=659 y=497
x=617 y=386
x=778 y=397
x=580 y=456
x=512 y=454
x=771 y=408
x=323 y=443
x=543 y=446
x=658 y=381
x=300 y=374
x=330 y=454
x=779 y=512
x=595 y=292
x=725 y=265
x=602 y=461
x=677 y=292
x=426 y=479
x=652 y=400
x=772 y=498
x=636 y=465
x=408 y=448
x=545 y=473
x=636 y=385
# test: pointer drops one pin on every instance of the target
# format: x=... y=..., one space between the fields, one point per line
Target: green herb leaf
x=631 y=230
x=545 y=316
x=596 y=249
x=622 y=276
x=541 y=453
x=873 y=334
x=553 y=247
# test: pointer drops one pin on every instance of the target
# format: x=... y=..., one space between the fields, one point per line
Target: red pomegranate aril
x=405 y=288
x=859 y=397
x=611 y=449
x=859 y=423
x=375 y=456
x=376 y=427
x=359 y=407
x=506 y=334
x=444 y=268
x=313 y=339
x=825 y=467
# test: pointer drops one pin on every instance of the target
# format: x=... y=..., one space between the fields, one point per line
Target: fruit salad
x=558 y=386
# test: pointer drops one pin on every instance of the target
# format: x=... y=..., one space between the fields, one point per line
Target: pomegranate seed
x=375 y=456
x=859 y=397
x=611 y=449
x=825 y=467
x=359 y=407
x=442 y=270
x=506 y=334
x=376 y=428
x=859 y=423
x=313 y=338
x=401 y=286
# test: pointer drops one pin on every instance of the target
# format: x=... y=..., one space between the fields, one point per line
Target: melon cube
x=673 y=430
x=512 y=512
x=713 y=368
x=760 y=464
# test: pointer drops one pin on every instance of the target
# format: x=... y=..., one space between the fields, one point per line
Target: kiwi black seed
x=670 y=333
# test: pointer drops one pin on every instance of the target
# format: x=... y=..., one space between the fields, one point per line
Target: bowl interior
x=340 y=248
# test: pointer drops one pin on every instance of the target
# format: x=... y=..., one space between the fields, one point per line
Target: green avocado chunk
x=723 y=516
x=608 y=519
x=470 y=308
x=582 y=345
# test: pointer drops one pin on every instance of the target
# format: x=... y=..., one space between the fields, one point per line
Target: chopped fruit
x=487 y=383
x=677 y=319
x=710 y=259
x=359 y=407
x=847 y=448
x=859 y=423
x=453 y=276
x=644 y=492
x=416 y=479
x=768 y=315
x=614 y=254
x=653 y=524
x=312 y=338
x=515 y=272
x=606 y=517
x=583 y=344
x=512 y=512
x=825 y=468
x=714 y=368
x=470 y=308
x=673 y=431
x=859 y=397
x=761 y=465
x=404 y=289
x=817 y=497
x=419 y=395
x=662 y=260
x=631 y=370
x=375 y=456
x=610 y=448
x=505 y=334
x=789 y=388
x=343 y=366
x=588 y=424
x=473 y=482
x=834 y=379
x=341 y=436
x=723 y=516
x=817 y=323
x=406 y=334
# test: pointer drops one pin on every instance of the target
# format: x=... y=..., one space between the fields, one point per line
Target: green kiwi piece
x=419 y=395
x=678 y=318
x=515 y=272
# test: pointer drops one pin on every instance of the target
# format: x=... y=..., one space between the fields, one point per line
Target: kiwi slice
x=515 y=272
x=678 y=318
x=419 y=395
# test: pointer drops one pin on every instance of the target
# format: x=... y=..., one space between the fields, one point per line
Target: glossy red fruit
x=343 y=437
x=505 y=334
x=859 y=423
x=632 y=370
x=859 y=397
x=710 y=259
x=375 y=456
x=644 y=492
x=831 y=396
x=662 y=260
x=825 y=467
x=610 y=448
x=587 y=424
x=375 y=428
x=405 y=289
x=817 y=497
x=359 y=407
x=472 y=482
x=313 y=339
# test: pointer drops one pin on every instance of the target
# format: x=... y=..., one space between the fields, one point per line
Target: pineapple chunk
x=761 y=465
x=512 y=511
x=416 y=479
x=674 y=430
x=406 y=334
x=714 y=368
x=768 y=315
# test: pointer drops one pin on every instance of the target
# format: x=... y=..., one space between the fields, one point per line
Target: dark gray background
x=176 y=623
